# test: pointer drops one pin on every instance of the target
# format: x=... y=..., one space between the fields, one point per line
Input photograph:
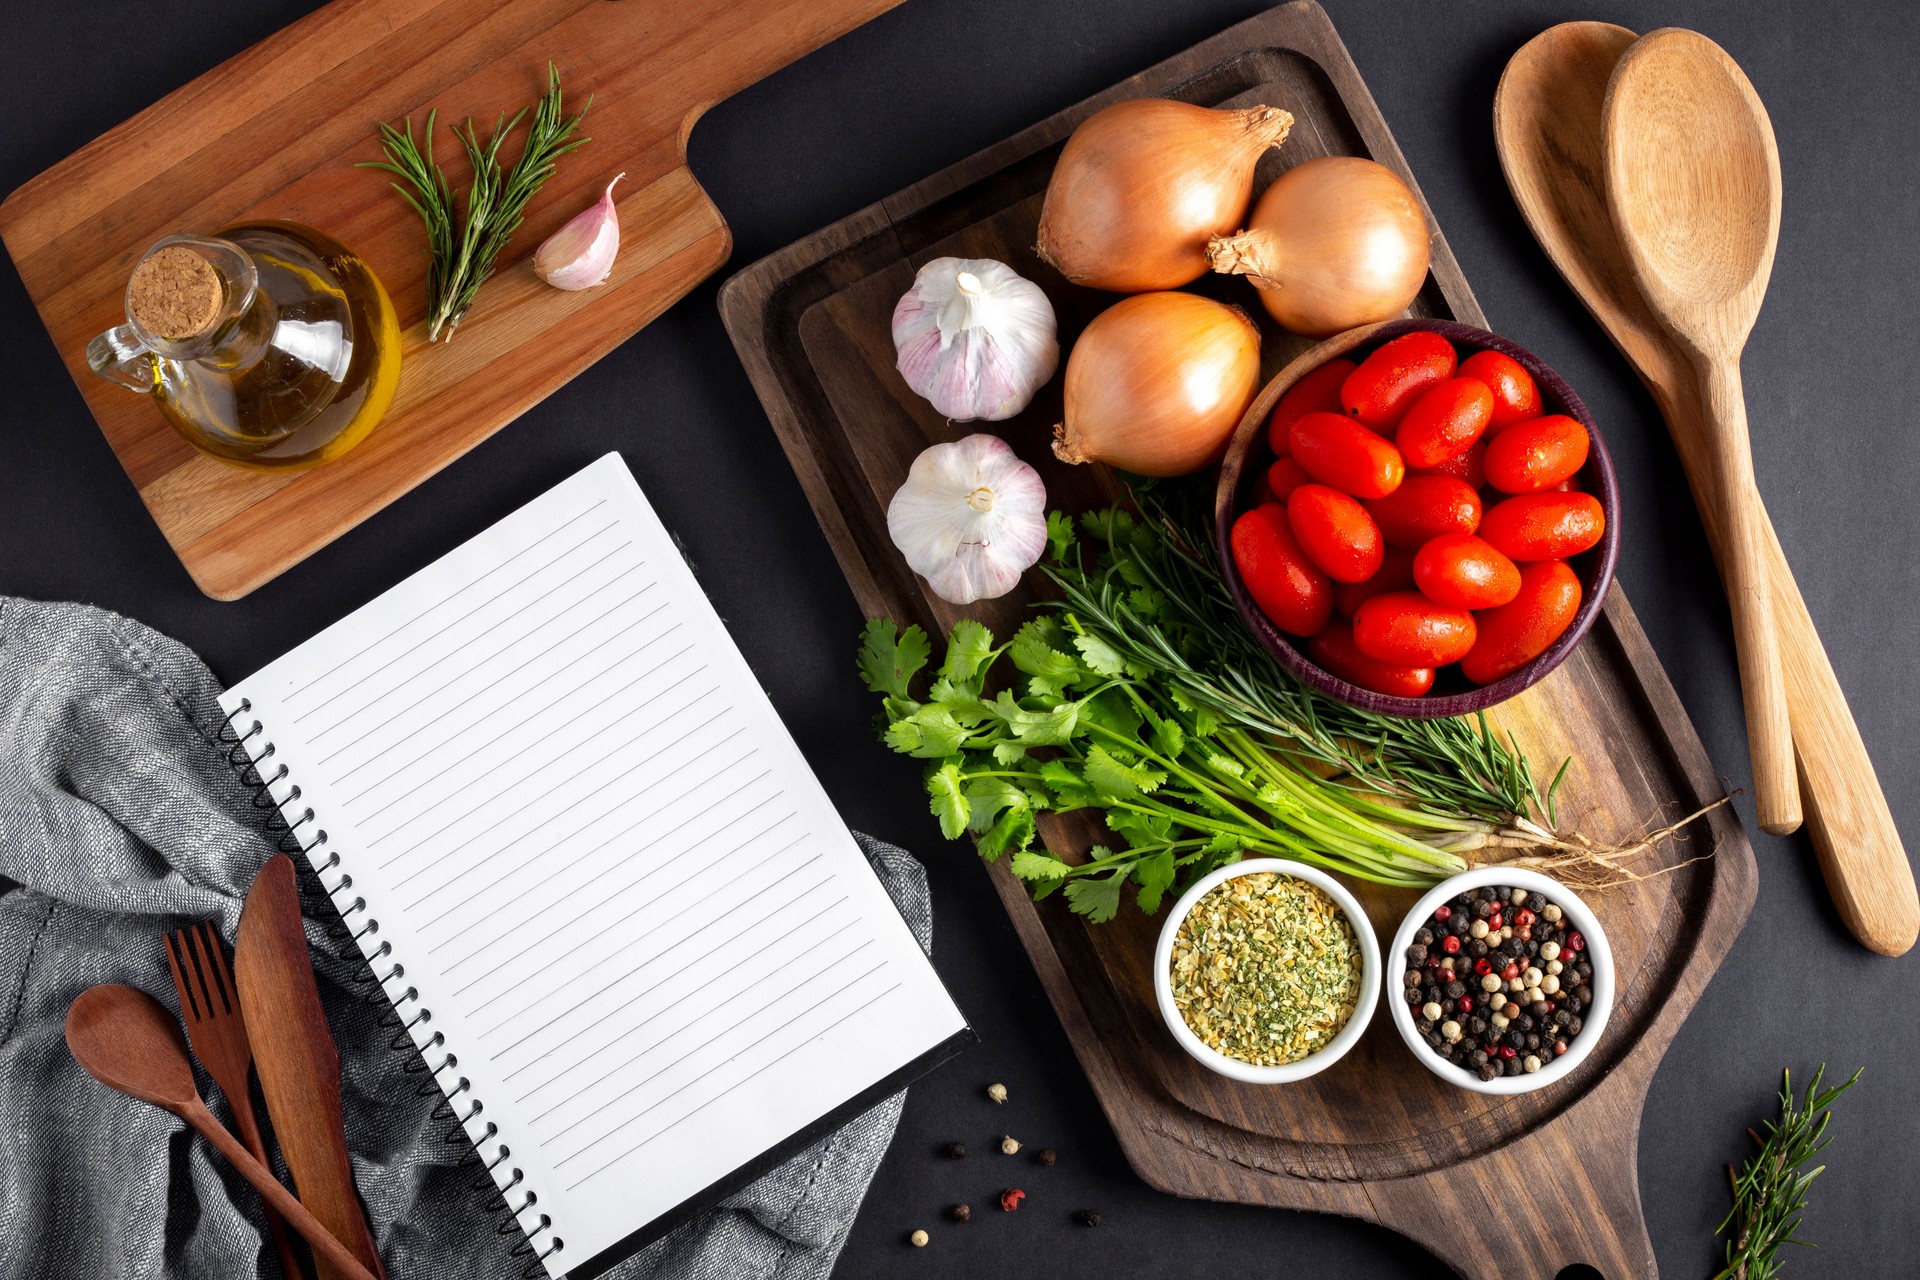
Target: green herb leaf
x=1155 y=876
x=969 y=648
x=889 y=659
x=931 y=733
x=1100 y=656
x=988 y=796
x=949 y=801
x=1059 y=534
x=1008 y=753
x=1118 y=781
x=1097 y=898
x=1014 y=831
x=1039 y=866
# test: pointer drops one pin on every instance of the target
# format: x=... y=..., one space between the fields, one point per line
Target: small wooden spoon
x=1693 y=182
x=127 y=1040
x=1547 y=118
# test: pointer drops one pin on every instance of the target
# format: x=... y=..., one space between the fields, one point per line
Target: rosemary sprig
x=461 y=251
x=1770 y=1191
x=1198 y=641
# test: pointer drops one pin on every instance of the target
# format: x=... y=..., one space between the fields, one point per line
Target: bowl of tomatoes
x=1418 y=518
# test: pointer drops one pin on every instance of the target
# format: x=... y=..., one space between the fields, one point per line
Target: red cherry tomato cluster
x=1419 y=512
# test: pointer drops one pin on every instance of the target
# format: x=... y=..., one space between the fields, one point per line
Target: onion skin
x=1142 y=186
x=1157 y=384
x=1334 y=243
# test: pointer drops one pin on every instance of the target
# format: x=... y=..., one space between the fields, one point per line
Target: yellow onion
x=1157 y=383
x=1333 y=243
x=1142 y=185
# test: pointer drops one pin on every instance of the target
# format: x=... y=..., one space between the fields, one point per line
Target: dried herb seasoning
x=1266 y=969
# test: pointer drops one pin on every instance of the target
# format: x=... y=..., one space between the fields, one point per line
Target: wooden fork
x=218 y=1034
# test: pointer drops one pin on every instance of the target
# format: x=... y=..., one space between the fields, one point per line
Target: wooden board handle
x=1776 y=792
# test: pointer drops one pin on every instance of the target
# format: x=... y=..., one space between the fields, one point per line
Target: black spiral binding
x=249 y=767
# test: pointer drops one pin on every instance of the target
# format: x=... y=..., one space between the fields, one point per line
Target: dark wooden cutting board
x=1507 y=1188
x=277 y=131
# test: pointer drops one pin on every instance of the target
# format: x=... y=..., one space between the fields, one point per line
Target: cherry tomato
x=1425 y=507
x=1544 y=526
x=1334 y=650
x=1532 y=456
x=1317 y=392
x=1469 y=466
x=1282 y=581
x=1335 y=532
x=1284 y=476
x=1518 y=632
x=1465 y=572
x=1445 y=421
x=1395 y=574
x=1409 y=630
x=1515 y=398
x=1388 y=382
x=1340 y=452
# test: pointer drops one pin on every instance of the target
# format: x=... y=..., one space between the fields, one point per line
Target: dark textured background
x=1831 y=382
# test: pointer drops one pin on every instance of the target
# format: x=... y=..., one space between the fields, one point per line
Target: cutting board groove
x=276 y=132
x=1509 y=1188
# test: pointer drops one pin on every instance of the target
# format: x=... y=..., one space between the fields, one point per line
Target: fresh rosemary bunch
x=462 y=250
x=1156 y=594
x=1770 y=1191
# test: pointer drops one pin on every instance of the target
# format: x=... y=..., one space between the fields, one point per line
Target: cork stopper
x=174 y=294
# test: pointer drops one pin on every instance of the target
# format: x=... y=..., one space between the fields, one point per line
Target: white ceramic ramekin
x=1313 y=1063
x=1593 y=1017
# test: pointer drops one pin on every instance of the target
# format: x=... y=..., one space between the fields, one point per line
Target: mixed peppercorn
x=1498 y=981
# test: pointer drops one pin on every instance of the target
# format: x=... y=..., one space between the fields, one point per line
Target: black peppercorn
x=962 y=1213
x=1087 y=1218
x=1488 y=1071
x=1423 y=938
x=1562 y=1017
x=1533 y=1041
x=1518 y=1039
x=1573 y=1027
x=1477 y=948
x=1539 y=1009
x=1476 y=1026
x=956 y=1151
x=1045 y=1156
x=1413 y=977
x=1584 y=969
x=1512 y=1067
x=1416 y=954
x=1456 y=989
x=1459 y=924
x=1414 y=997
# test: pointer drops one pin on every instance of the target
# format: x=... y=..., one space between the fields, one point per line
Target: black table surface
x=1833 y=376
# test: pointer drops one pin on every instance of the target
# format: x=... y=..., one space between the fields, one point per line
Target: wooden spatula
x=1547 y=125
x=298 y=1064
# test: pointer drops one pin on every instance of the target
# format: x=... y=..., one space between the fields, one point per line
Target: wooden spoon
x=127 y=1040
x=1547 y=119
x=1693 y=182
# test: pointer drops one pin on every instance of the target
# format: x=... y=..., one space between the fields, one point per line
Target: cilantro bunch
x=1116 y=700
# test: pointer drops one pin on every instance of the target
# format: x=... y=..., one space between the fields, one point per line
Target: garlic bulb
x=970 y=519
x=975 y=338
x=580 y=254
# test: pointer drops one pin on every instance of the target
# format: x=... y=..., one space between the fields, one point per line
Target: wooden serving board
x=276 y=133
x=1499 y=1187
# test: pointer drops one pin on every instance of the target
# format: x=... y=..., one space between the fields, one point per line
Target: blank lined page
x=633 y=914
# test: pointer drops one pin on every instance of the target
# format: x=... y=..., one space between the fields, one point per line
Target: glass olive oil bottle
x=270 y=345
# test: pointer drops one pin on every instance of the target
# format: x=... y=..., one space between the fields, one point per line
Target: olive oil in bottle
x=270 y=345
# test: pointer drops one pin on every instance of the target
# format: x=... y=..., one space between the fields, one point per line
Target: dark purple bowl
x=1245 y=466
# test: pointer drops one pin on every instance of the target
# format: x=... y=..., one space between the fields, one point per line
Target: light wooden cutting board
x=276 y=132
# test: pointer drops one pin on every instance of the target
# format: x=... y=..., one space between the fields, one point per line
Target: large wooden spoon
x=127 y=1040
x=1547 y=119
x=1693 y=183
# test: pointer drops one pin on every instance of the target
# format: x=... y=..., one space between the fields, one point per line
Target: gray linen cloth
x=120 y=817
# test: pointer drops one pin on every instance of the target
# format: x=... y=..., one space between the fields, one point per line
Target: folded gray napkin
x=120 y=818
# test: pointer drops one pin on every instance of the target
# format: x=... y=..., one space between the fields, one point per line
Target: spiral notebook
x=642 y=956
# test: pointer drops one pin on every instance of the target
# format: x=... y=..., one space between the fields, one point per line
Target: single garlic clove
x=580 y=255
